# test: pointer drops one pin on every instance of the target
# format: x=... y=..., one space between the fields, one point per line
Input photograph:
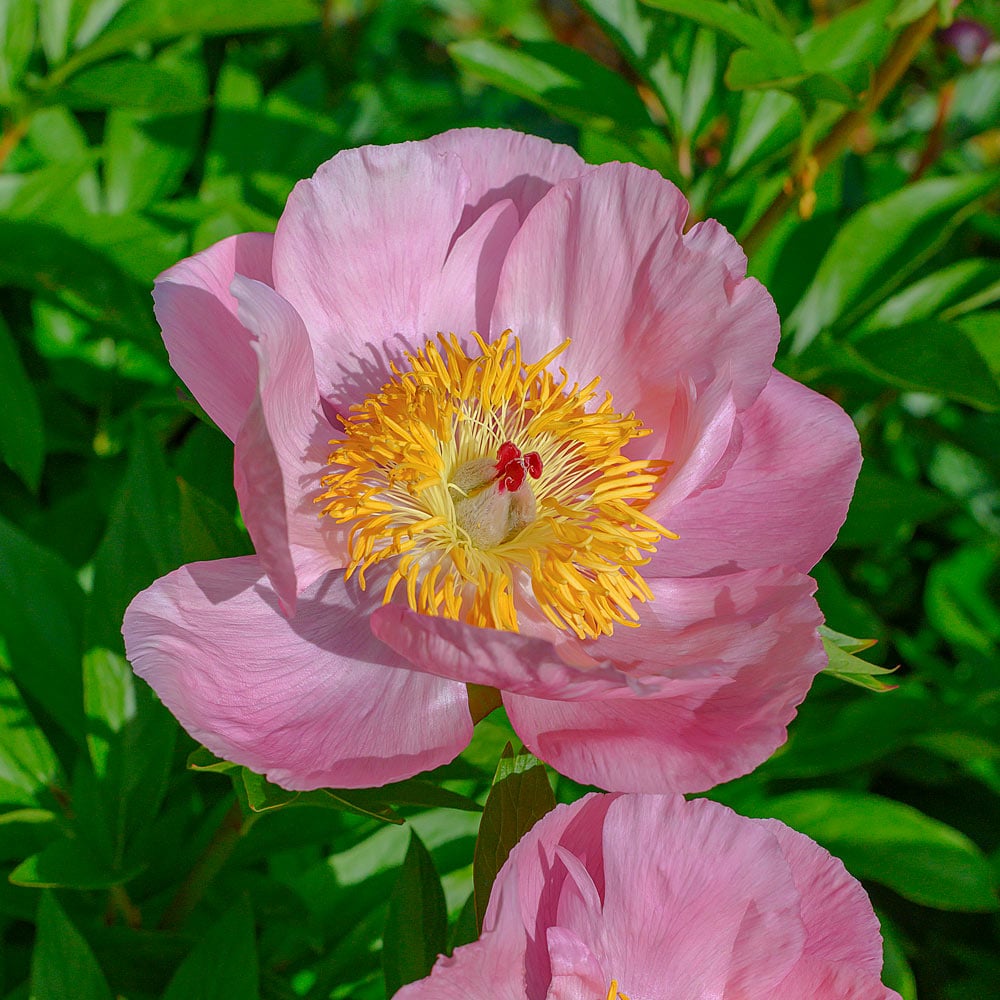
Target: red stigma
x=512 y=466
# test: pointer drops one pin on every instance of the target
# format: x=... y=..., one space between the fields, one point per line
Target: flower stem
x=902 y=53
x=215 y=855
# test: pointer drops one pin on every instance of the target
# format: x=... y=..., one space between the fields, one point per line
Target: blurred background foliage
x=138 y=131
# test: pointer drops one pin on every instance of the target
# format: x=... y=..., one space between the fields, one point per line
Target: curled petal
x=310 y=702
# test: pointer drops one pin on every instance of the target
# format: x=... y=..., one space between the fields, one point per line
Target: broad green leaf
x=41 y=607
x=857 y=37
x=129 y=83
x=69 y=863
x=960 y=601
x=223 y=964
x=951 y=291
x=931 y=356
x=768 y=120
x=521 y=795
x=896 y=971
x=45 y=259
x=416 y=928
x=568 y=83
x=63 y=964
x=921 y=858
x=141 y=543
x=150 y=21
x=208 y=531
x=878 y=246
x=835 y=736
x=22 y=439
x=983 y=330
x=908 y=11
x=886 y=509
x=731 y=21
x=27 y=763
x=17 y=39
x=131 y=740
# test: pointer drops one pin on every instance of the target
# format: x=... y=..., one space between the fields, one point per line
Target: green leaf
x=932 y=356
x=130 y=83
x=27 y=763
x=203 y=759
x=908 y=11
x=886 y=509
x=947 y=293
x=148 y=22
x=855 y=37
x=69 y=863
x=843 y=664
x=416 y=927
x=960 y=601
x=731 y=21
x=141 y=543
x=768 y=120
x=22 y=438
x=922 y=859
x=62 y=964
x=878 y=246
x=41 y=607
x=223 y=964
x=983 y=331
x=568 y=83
x=17 y=39
x=49 y=261
x=521 y=795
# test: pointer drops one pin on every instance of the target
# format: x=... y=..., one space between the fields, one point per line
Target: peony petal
x=491 y=968
x=751 y=641
x=820 y=980
x=522 y=664
x=366 y=253
x=281 y=450
x=602 y=260
x=209 y=348
x=311 y=702
x=506 y=165
x=782 y=501
x=712 y=895
x=840 y=923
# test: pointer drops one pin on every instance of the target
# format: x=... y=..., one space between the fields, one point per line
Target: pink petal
x=841 y=926
x=311 y=702
x=282 y=448
x=602 y=260
x=783 y=500
x=209 y=348
x=491 y=968
x=711 y=896
x=366 y=253
x=744 y=649
x=821 y=980
x=502 y=164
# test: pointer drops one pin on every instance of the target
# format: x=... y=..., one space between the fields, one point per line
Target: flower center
x=484 y=483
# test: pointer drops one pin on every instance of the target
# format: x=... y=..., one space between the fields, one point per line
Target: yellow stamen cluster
x=393 y=476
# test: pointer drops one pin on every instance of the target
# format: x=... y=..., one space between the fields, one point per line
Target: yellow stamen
x=614 y=993
x=416 y=451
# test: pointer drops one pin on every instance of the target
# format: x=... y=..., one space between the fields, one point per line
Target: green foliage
x=138 y=865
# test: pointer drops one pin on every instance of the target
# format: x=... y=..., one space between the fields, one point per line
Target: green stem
x=903 y=52
x=215 y=855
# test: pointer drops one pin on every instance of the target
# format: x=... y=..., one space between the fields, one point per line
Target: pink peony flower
x=602 y=504
x=644 y=897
